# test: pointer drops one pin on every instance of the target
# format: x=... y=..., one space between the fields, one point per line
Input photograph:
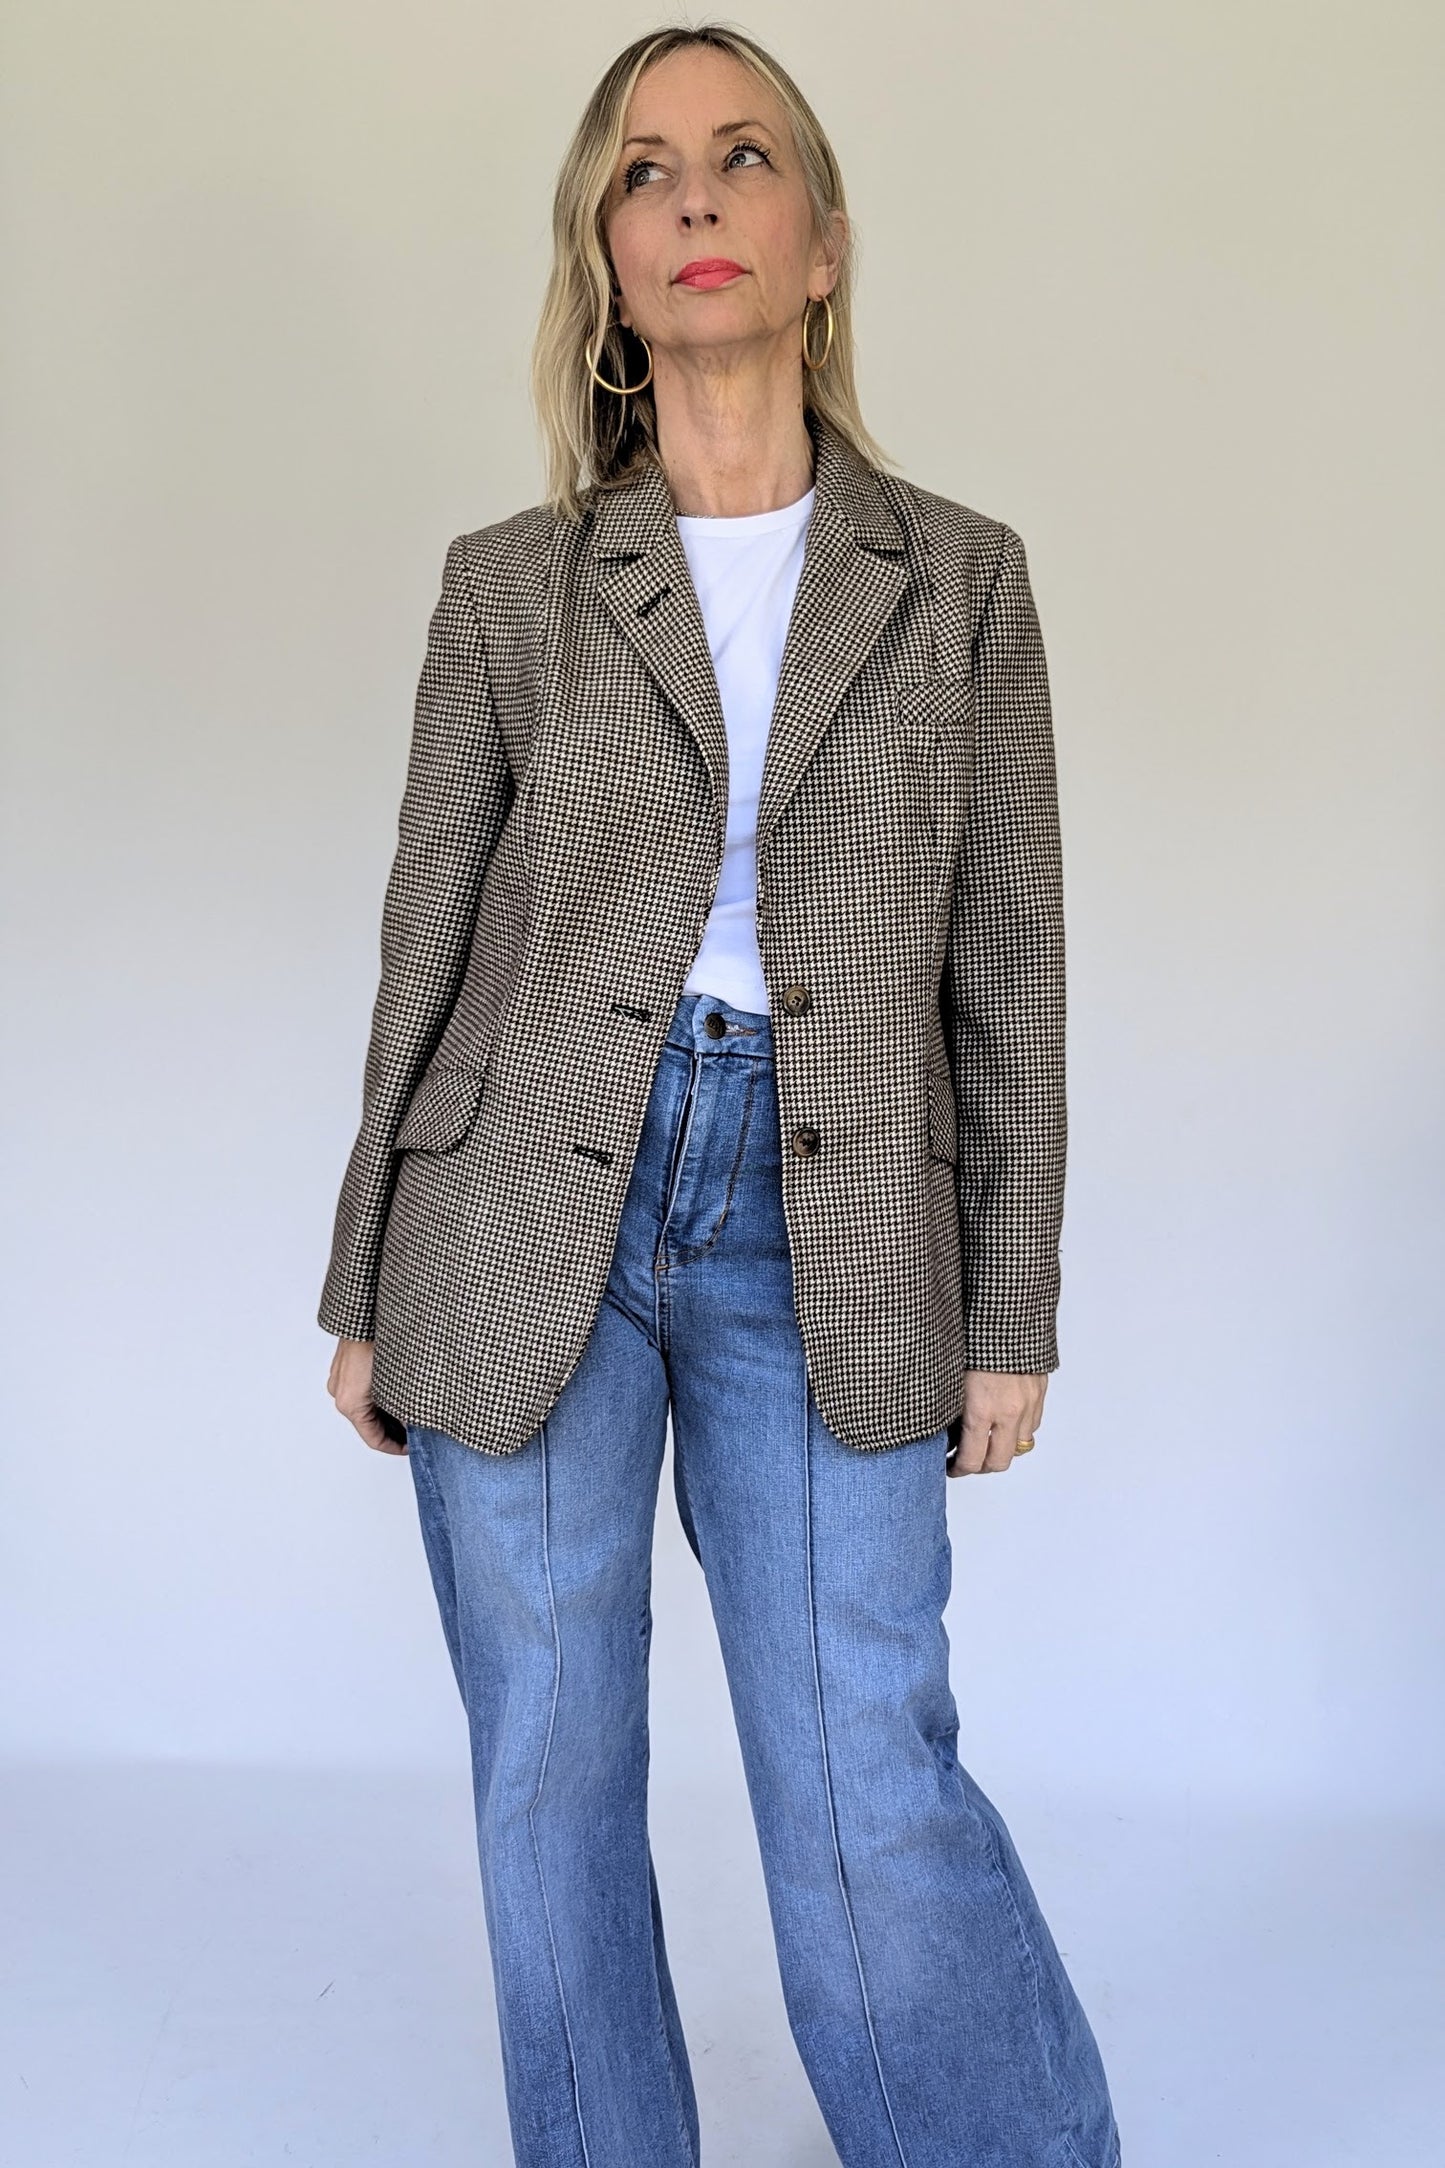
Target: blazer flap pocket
x=440 y=1110
x=936 y=704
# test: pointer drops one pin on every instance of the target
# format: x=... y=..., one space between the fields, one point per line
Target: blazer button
x=806 y=1142
x=796 y=999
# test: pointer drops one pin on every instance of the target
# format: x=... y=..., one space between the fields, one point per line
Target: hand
x=349 y=1384
x=999 y=1408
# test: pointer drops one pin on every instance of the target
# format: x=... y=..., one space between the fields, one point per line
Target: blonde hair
x=592 y=439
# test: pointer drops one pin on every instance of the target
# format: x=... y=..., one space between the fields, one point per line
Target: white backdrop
x=1159 y=287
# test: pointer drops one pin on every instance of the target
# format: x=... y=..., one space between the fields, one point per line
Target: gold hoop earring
x=623 y=390
x=808 y=362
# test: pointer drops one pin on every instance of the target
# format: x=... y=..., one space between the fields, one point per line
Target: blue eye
x=641 y=165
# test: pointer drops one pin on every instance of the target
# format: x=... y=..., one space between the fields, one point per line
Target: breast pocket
x=942 y=707
x=441 y=1109
x=938 y=721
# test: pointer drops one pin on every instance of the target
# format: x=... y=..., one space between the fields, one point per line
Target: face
x=707 y=178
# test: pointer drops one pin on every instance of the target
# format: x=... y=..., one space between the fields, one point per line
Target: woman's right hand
x=349 y=1384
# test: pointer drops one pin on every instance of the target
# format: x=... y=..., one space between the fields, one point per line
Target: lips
x=708 y=271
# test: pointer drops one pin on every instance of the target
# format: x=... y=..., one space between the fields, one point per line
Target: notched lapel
x=853 y=575
x=644 y=581
x=847 y=591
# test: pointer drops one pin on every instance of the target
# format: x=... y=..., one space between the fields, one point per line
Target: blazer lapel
x=643 y=578
x=853 y=573
x=852 y=576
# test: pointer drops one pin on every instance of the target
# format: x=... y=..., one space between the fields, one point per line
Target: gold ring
x=1025 y=1445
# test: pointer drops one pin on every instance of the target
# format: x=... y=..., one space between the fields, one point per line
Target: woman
x=717 y=1070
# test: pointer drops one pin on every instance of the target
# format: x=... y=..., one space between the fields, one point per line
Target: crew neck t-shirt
x=745 y=570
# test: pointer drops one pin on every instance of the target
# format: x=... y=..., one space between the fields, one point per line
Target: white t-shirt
x=745 y=570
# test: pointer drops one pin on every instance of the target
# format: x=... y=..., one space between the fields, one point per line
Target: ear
x=828 y=255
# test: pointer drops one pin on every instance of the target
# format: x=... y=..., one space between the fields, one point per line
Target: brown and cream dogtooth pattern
x=559 y=841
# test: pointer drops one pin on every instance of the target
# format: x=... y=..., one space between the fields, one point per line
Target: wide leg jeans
x=928 y=2002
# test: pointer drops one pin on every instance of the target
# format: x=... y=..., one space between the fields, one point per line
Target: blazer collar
x=853 y=573
x=631 y=518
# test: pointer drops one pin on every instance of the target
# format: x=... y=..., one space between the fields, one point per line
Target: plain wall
x=1159 y=287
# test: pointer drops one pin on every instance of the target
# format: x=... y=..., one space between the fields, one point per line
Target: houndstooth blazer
x=559 y=842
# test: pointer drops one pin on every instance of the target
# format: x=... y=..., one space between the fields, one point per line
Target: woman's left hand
x=999 y=1408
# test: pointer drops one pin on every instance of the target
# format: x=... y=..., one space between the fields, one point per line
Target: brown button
x=796 y=999
x=715 y=1024
x=806 y=1142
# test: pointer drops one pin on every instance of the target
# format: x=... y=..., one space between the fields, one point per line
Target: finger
x=1003 y=1439
x=1025 y=1431
x=369 y=1427
x=380 y=1442
x=973 y=1445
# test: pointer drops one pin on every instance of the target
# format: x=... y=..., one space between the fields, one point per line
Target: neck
x=729 y=452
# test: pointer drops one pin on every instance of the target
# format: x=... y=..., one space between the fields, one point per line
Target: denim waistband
x=745 y=1031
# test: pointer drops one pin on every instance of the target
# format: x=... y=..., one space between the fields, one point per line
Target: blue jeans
x=926 y=1996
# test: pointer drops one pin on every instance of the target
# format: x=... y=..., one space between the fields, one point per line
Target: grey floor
x=205 y=1968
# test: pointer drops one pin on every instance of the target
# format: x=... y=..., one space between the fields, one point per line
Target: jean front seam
x=537 y=1794
x=828 y=1777
x=645 y=1635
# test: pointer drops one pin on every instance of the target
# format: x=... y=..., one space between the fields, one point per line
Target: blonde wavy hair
x=592 y=439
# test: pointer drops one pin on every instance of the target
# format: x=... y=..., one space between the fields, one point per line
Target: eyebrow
x=727 y=127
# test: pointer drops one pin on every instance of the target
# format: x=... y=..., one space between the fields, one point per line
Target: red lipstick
x=708 y=271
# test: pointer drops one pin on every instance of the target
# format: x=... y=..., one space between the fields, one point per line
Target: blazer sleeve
x=457 y=791
x=1005 y=979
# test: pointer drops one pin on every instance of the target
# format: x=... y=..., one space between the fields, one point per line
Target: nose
x=696 y=196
